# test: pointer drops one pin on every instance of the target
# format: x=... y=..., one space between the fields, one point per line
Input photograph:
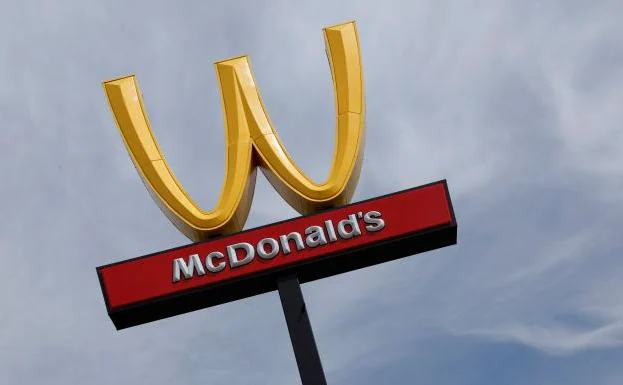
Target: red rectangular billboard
x=250 y=262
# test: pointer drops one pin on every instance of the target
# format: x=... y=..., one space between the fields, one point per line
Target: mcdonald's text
x=242 y=253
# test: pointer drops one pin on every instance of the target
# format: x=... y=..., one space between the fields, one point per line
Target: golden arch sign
x=250 y=141
x=277 y=256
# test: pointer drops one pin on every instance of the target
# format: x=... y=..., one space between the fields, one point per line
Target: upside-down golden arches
x=251 y=140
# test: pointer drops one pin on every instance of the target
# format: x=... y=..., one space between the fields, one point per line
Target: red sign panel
x=248 y=263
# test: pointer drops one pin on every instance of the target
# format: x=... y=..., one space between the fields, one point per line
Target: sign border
x=197 y=298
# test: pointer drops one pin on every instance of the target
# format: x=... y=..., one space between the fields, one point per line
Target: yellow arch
x=250 y=141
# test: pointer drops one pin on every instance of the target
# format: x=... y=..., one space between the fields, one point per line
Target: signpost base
x=301 y=334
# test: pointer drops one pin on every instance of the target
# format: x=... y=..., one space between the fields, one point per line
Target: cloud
x=515 y=103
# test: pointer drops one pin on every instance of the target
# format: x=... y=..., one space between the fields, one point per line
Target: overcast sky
x=517 y=103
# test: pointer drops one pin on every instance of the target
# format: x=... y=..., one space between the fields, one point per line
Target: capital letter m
x=250 y=140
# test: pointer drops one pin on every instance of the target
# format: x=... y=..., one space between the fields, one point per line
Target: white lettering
x=330 y=230
x=180 y=267
x=274 y=248
x=243 y=253
x=210 y=262
x=350 y=222
x=233 y=256
x=373 y=221
x=315 y=236
x=293 y=236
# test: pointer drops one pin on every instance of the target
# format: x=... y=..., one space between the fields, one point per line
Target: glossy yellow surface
x=250 y=141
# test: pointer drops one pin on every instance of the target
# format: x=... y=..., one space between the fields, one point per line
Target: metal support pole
x=301 y=334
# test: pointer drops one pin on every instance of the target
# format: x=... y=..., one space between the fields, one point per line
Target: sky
x=516 y=103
